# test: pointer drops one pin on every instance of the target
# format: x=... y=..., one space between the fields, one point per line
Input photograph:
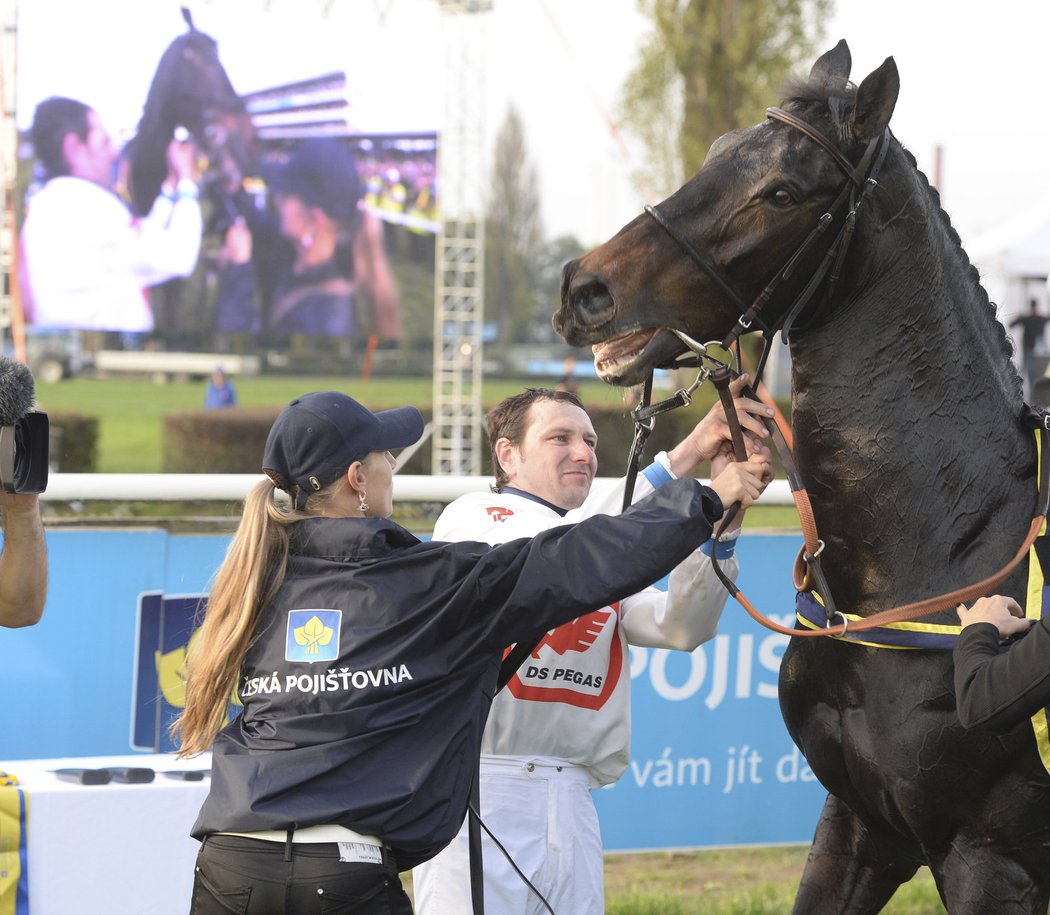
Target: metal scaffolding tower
x=459 y=288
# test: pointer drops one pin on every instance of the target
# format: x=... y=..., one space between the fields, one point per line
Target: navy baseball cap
x=321 y=172
x=318 y=436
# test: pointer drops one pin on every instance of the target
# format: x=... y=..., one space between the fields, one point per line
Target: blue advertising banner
x=712 y=764
x=165 y=628
x=69 y=682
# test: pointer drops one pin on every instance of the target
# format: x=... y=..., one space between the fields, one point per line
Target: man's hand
x=708 y=437
x=182 y=162
x=1002 y=612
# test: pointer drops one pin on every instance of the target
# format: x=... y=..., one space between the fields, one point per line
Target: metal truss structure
x=459 y=291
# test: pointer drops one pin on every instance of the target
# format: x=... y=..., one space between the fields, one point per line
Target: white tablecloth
x=116 y=849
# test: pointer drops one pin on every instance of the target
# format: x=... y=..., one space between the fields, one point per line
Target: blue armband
x=659 y=471
x=184 y=190
x=723 y=549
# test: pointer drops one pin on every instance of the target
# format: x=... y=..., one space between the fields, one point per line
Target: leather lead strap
x=643 y=425
x=477 y=869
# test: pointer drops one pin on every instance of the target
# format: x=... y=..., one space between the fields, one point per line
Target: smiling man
x=86 y=261
x=562 y=725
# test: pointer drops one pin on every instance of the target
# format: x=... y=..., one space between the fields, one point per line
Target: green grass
x=737 y=881
x=131 y=411
x=732 y=881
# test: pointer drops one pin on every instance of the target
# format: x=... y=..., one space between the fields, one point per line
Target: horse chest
x=860 y=714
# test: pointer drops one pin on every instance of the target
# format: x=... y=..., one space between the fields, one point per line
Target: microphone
x=17 y=391
x=24 y=432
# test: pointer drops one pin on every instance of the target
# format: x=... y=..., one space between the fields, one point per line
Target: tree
x=710 y=66
x=513 y=235
x=550 y=259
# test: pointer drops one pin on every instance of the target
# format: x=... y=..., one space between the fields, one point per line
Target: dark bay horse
x=907 y=415
x=190 y=89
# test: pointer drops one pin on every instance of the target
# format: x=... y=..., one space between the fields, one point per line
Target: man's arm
x=23 y=563
x=687 y=614
x=998 y=687
x=709 y=440
x=167 y=240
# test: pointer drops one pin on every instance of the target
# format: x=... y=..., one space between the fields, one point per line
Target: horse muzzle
x=587 y=307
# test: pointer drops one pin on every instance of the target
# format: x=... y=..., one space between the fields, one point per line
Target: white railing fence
x=159 y=487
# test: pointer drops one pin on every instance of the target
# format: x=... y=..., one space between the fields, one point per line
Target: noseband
x=860 y=183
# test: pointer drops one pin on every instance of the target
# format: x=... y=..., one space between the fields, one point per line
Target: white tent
x=1014 y=261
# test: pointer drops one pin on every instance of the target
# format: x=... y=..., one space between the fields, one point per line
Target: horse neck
x=906 y=411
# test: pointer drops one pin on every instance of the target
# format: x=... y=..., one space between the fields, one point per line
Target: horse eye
x=782 y=197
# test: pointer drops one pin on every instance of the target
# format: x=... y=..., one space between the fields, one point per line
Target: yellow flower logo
x=312 y=634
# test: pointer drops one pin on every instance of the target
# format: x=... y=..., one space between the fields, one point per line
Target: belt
x=325 y=832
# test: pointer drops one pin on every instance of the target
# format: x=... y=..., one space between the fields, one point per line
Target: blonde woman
x=366 y=660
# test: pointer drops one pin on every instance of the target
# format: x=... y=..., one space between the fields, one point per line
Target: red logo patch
x=496 y=513
x=579 y=635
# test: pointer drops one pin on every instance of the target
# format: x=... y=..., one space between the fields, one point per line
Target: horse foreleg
x=976 y=879
x=848 y=870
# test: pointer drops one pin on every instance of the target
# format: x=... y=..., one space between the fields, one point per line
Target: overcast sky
x=974 y=79
x=972 y=83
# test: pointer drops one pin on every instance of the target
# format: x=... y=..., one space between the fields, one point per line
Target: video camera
x=24 y=432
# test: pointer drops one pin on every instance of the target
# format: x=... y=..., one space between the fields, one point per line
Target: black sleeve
x=999 y=687
x=560 y=574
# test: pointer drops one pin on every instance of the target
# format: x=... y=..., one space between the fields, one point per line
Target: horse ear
x=833 y=65
x=876 y=99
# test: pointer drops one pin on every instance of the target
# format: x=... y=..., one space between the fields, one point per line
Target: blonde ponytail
x=245 y=583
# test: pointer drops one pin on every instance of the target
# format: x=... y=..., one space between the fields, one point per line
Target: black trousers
x=235 y=874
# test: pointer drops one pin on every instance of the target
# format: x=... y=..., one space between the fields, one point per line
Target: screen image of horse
x=379 y=279
x=913 y=441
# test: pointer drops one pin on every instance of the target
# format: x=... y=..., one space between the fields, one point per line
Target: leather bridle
x=855 y=189
x=861 y=182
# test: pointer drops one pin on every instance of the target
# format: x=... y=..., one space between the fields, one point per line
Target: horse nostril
x=585 y=303
x=590 y=299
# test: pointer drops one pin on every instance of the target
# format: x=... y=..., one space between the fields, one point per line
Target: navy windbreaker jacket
x=367 y=687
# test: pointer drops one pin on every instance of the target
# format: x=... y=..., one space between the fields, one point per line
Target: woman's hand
x=743 y=481
x=1002 y=612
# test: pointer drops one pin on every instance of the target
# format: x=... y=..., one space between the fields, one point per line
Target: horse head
x=750 y=209
x=190 y=89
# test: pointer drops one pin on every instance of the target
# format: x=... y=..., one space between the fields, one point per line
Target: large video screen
x=229 y=175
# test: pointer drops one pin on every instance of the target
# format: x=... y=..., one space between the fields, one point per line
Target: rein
x=807 y=574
